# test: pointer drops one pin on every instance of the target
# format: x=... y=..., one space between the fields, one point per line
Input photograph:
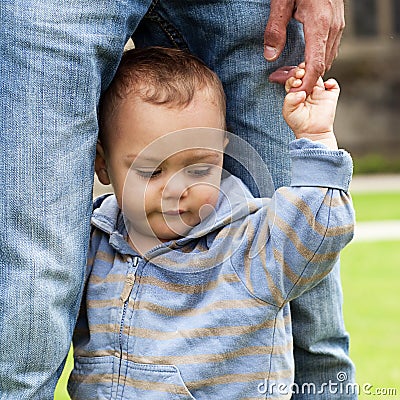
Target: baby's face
x=165 y=182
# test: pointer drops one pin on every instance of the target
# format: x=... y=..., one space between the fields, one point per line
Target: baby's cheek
x=211 y=195
x=210 y=199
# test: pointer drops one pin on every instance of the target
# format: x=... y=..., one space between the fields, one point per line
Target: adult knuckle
x=338 y=15
x=274 y=32
x=339 y=24
x=320 y=66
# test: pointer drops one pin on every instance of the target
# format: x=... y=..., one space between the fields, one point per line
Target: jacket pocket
x=153 y=382
x=93 y=378
x=112 y=378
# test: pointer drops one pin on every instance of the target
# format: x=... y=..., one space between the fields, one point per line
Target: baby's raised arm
x=312 y=116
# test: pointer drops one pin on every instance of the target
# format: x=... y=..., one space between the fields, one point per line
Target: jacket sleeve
x=294 y=241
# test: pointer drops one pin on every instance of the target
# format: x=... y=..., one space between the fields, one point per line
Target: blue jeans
x=56 y=58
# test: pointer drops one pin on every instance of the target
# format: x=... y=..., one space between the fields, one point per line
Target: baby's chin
x=178 y=229
x=173 y=227
x=172 y=233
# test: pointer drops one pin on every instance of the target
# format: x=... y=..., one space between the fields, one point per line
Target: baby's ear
x=100 y=165
x=226 y=140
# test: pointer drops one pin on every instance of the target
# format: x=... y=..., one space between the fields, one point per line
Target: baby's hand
x=311 y=116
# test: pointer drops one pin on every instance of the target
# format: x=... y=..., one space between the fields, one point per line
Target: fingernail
x=270 y=52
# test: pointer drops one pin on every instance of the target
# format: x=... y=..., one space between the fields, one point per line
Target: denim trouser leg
x=55 y=57
x=234 y=49
x=322 y=343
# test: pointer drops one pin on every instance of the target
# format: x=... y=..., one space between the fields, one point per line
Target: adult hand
x=323 y=24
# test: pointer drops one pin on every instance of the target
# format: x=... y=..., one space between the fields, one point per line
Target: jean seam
x=168 y=28
x=153 y=5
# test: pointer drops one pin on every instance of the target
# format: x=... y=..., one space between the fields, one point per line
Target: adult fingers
x=323 y=23
x=282 y=74
x=332 y=49
x=335 y=34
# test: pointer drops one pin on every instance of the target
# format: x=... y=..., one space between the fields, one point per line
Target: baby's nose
x=176 y=187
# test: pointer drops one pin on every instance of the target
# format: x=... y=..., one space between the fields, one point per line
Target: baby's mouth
x=173 y=212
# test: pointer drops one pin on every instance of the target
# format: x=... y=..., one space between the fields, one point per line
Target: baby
x=189 y=277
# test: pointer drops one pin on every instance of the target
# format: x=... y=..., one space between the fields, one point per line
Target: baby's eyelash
x=199 y=171
x=196 y=171
x=148 y=174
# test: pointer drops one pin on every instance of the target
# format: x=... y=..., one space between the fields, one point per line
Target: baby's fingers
x=292 y=82
x=332 y=85
x=295 y=80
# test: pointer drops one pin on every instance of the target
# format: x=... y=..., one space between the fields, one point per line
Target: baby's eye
x=199 y=171
x=148 y=173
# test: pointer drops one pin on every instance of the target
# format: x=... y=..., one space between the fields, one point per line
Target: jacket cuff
x=314 y=164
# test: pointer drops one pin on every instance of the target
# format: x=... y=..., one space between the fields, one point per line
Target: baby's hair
x=160 y=76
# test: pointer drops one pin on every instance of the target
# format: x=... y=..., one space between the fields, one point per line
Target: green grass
x=371 y=276
x=376 y=164
x=61 y=389
x=377 y=206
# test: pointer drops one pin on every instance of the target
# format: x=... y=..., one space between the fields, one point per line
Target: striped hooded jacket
x=207 y=316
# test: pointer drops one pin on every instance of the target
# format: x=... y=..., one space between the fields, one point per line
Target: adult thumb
x=275 y=32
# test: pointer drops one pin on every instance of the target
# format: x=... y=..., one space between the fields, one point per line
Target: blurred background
x=368 y=69
x=368 y=125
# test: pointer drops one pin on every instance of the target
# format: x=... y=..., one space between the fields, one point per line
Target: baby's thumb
x=293 y=100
